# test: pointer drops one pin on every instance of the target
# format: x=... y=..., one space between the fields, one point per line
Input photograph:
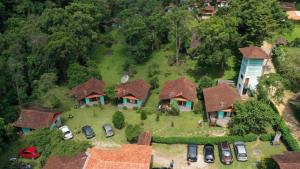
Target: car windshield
x=242 y=155
x=226 y=153
x=67 y=132
x=88 y=130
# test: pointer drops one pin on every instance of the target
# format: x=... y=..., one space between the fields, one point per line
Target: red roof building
x=36 y=118
x=289 y=160
x=129 y=156
x=90 y=92
x=182 y=91
x=254 y=52
x=219 y=102
x=66 y=162
x=133 y=94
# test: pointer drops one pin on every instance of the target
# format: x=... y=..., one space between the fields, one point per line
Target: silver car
x=108 y=130
x=240 y=151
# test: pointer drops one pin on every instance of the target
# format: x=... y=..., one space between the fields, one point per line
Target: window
x=240 y=86
x=242 y=76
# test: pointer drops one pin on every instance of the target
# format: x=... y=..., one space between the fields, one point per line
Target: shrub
x=198 y=108
x=287 y=137
x=154 y=83
x=143 y=115
x=118 y=120
x=267 y=137
x=174 y=109
x=157 y=117
x=132 y=132
x=202 y=139
x=204 y=82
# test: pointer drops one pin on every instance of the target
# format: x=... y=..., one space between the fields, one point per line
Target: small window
x=242 y=76
x=240 y=86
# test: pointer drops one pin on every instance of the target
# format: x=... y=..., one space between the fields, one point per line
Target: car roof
x=241 y=149
x=30 y=149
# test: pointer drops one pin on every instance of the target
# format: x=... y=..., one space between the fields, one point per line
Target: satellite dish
x=124 y=79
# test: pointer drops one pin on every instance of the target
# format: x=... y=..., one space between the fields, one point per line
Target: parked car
x=66 y=132
x=30 y=153
x=209 y=155
x=225 y=153
x=240 y=151
x=88 y=132
x=192 y=152
x=108 y=130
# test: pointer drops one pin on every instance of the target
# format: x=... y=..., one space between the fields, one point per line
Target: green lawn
x=290 y=36
x=96 y=117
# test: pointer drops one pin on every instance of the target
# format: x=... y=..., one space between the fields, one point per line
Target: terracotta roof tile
x=138 y=89
x=130 y=156
x=92 y=86
x=289 y=160
x=180 y=87
x=254 y=52
x=35 y=118
x=220 y=97
x=66 y=162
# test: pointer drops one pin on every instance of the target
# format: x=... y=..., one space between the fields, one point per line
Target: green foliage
x=203 y=140
x=132 y=132
x=267 y=137
x=78 y=74
x=251 y=117
x=154 y=82
x=143 y=115
x=46 y=82
x=204 y=82
x=268 y=163
x=174 y=108
x=199 y=108
x=118 y=119
x=110 y=94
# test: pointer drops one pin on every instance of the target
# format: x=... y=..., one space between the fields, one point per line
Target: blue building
x=254 y=60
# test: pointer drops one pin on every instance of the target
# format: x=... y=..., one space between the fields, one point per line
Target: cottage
x=37 y=118
x=289 y=160
x=129 y=156
x=219 y=102
x=66 y=162
x=181 y=92
x=253 y=63
x=133 y=94
x=90 y=92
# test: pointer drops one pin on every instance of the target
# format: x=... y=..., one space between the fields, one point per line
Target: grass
x=96 y=117
x=289 y=36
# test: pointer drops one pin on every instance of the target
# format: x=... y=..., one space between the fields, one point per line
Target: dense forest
x=46 y=43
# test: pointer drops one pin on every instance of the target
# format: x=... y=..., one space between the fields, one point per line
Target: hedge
x=202 y=139
x=287 y=137
x=267 y=137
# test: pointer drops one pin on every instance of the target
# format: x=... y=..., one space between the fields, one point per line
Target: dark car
x=225 y=153
x=108 y=130
x=192 y=152
x=30 y=152
x=88 y=132
x=209 y=155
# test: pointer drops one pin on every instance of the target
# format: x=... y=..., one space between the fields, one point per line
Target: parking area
x=164 y=154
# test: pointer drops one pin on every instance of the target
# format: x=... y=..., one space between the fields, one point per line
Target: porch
x=129 y=102
x=92 y=100
x=220 y=118
x=182 y=104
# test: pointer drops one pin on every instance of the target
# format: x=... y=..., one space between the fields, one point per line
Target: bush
x=287 y=137
x=198 y=108
x=174 y=109
x=118 y=120
x=202 y=139
x=154 y=83
x=143 y=115
x=132 y=132
x=267 y=137
x=204 y=82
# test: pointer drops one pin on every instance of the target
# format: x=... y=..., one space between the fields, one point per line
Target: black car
x=225 y=153
x=192 y=152
x=108 y=130
x=88 y=131
x=209 y=155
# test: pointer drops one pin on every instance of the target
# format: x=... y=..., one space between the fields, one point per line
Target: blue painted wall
x=102 y=100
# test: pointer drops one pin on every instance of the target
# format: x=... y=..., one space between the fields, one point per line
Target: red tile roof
x=139 y=89
x=179 y=88
x=130 y=156
x=254 y=52
x=288 y=6
x=36 y=118
x=289 y=160
x=66 y=162
x=220 y=97
x=92 y=86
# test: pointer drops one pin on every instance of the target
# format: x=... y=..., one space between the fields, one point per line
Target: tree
x=177 y=20
x=132 y=132
x=118 y=119
x=218 y=37
x=257 y=19
x=154 y=83
x=143 y=115
x=46 y=82
x=251 y=117
x=204 y=82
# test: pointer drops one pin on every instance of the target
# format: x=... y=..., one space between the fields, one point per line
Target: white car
x=67 y=132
